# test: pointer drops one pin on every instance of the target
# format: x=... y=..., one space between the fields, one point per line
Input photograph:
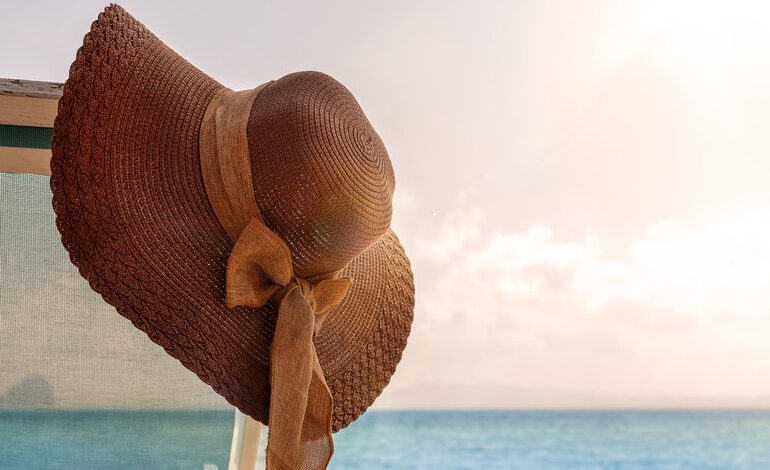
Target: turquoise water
x=403 y=439
x=558 y=439
x=114 y=439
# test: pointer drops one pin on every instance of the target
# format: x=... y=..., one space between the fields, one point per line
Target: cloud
x=680 y=310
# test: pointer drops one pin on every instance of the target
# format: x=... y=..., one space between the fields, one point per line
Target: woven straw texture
x=133 y=213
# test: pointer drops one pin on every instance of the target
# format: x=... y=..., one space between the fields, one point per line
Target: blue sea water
x=402 y=439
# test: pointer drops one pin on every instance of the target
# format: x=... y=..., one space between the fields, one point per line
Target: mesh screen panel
x=80 y=387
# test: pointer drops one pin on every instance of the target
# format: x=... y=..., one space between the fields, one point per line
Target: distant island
x=34 y=391
x=503 y=396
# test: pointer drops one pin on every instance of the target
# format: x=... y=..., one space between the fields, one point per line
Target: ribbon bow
x=260 y=269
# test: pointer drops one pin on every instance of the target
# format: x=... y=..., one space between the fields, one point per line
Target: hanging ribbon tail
x=299 y=430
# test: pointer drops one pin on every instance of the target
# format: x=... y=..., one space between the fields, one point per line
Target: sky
x=580 y=185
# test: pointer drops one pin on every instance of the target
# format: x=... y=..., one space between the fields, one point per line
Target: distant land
x=38 y=392
x=498 y=396
x=35 y=392
x=32 y=392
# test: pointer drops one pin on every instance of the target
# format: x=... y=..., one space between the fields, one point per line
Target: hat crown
x=323 y=180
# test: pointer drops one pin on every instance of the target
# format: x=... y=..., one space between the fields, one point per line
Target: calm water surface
x=402 y=439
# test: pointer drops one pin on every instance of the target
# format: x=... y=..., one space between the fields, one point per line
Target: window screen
x=80 y=387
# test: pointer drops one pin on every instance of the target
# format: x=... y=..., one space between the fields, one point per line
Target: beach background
x=581 y=190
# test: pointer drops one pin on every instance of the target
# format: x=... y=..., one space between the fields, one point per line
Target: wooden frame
x=21 y=160
x=33 y=104
x=27 y=103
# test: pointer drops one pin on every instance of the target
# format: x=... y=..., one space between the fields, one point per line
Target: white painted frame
x=245 y=446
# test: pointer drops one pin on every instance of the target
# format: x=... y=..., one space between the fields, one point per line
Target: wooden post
x=243 y=450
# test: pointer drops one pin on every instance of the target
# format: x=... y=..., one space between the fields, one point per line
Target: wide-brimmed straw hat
x=203 y=251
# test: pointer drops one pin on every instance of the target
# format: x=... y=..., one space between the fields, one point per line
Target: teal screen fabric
x=25 y=136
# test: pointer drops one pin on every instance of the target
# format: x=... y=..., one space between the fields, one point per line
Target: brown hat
x=174 y=194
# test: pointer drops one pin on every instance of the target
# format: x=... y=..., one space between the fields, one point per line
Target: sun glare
x=697 y=39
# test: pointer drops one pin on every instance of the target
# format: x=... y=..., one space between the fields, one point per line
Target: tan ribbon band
x=224 y=155
x=259 y=270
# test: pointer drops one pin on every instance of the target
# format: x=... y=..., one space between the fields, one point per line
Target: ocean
x=401 y=439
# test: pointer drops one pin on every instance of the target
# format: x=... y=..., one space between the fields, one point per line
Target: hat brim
x=133 y=213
